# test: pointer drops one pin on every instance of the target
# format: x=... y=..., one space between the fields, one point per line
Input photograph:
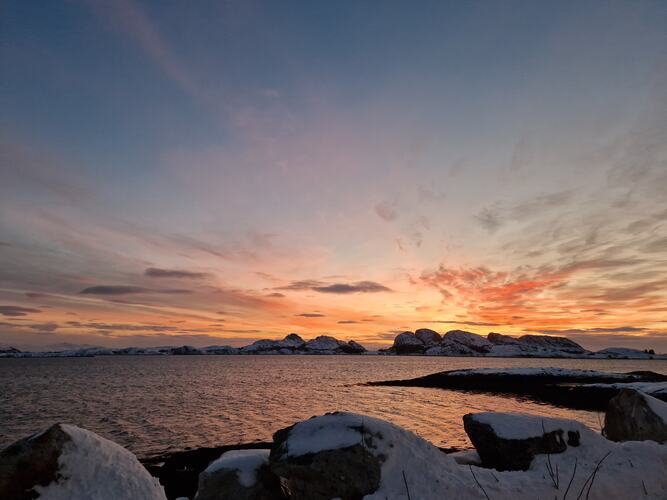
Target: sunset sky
x=218 y=172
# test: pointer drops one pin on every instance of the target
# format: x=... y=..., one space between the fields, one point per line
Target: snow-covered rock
x=66 y=462
x=186 y=350
x=428 y=336
x=220 y=349
x=470 y=340
x=553 y=343
x=352 y=347
x=324 y=343
x=507 y=441
x=635 y=416
x=239 y=475
x=407 y=343
x=294 y=341
x=410 y=467
x=345 y=455
x=450 y=348
x=623 y=353
x=500 y=339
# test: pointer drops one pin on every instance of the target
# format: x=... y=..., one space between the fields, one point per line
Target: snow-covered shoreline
x=353 y=456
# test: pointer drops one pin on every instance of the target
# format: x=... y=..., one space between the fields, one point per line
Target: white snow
x=659 y=407
x=651 y=388
x=631 y=470
x=96 y=468
x=552 y=372
x=521 y=426
x=468 y=339
x=246 y=463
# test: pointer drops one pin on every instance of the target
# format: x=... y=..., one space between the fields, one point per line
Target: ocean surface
x=158 y=404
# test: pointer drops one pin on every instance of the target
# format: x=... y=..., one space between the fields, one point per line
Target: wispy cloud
x=126 y=290
x=154 y=272
x=336 y=288
x=17 y=311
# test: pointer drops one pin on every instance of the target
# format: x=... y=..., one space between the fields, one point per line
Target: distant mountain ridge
x=423 y=341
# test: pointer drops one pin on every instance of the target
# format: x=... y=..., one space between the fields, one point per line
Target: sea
x=160 y=404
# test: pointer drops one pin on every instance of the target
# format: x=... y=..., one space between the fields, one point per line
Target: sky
x=219 y=172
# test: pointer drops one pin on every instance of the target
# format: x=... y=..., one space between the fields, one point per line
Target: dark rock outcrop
x=186 y=350
x=31 y=462
x=635 y=416
x=347 y=473
x=179 y=472
x=502 y=453
x=428 y=337
x=223 y=481
x=578 y=389
x=562 y=344
x=407 y=343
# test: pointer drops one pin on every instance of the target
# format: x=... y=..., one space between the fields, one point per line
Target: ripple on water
x=154 y=404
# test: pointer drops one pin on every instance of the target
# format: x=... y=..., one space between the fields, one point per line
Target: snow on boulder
x=263 y=345
x=352 y=347
x=428 y=336
x=407 y=343
x=635 y=416
x=66 y=462
x=239 y=475
x=324 y=343
x=548 y=342
x=623 y=353
x=294 y=341
x=510 y=441
x=471 y=340
x=500 y=339
x=450 y=348
x=351 y=456
x=185 y=350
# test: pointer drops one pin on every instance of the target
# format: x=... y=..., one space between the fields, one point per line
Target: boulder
x=353 y=347
x=500 y=339
x=427 y=336
x=350 y=456
x=548 y=342
x=471 y=340
x=185 y=350
x=407 y=343
x=450 y=348
x=635 y=416
x=313 y=471
x=240 y=475
x=294 y=341
x=509 y=441
x=69 y=462
x=324 y=344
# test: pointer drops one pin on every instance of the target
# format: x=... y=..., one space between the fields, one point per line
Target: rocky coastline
x=421 y=342
x=570 y=388
x=352 y=456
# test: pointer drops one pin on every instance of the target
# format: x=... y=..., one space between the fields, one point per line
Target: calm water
x=156 y=404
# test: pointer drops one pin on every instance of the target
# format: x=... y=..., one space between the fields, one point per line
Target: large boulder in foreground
x=240 y=475
x=67 y=462
x=407 y=343
x=635 y=416
x=509 y=441
x=351 y=456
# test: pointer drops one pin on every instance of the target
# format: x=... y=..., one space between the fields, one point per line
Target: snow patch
x=246 y=463
x=93 y=467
